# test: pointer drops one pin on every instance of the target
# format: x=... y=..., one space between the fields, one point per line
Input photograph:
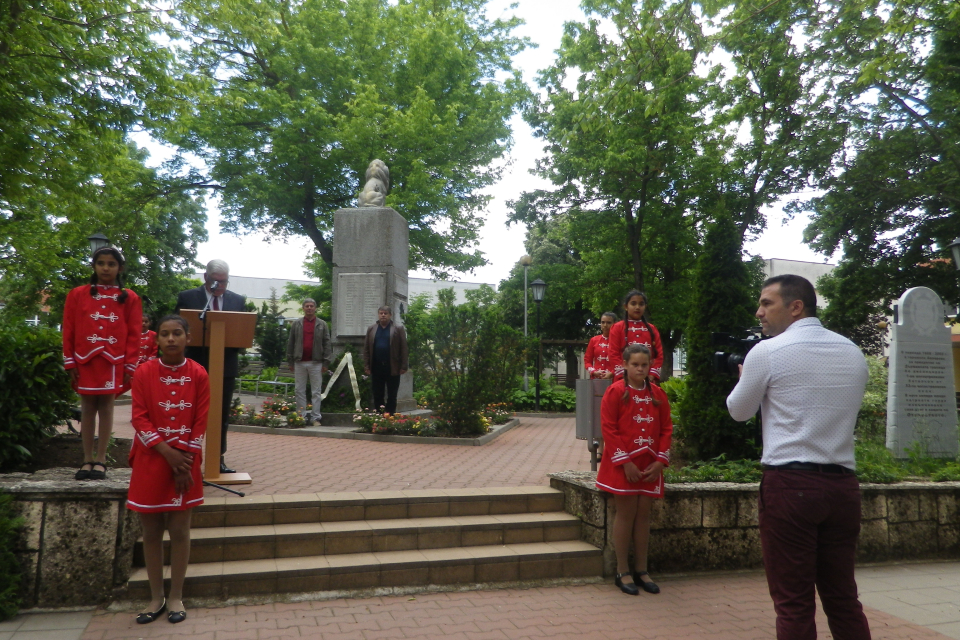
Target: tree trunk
x=573 y=368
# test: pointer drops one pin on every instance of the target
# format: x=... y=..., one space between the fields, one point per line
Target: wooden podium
x=224 y=329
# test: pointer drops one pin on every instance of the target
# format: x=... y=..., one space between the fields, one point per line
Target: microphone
x=214 y=285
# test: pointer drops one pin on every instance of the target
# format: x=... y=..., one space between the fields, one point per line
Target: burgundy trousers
x=809 y=524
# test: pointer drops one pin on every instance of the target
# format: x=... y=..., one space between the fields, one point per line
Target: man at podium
x=214 y=295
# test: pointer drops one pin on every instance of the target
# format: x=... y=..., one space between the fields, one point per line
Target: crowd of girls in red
x=108 y=347
x=637 y=432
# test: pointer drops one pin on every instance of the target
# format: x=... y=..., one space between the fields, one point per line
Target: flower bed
x=402 y=425
x=275 y=412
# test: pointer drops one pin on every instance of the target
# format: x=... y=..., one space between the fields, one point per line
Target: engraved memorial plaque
x=359 y=297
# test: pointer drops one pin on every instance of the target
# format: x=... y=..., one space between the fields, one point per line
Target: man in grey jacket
x=308 y=354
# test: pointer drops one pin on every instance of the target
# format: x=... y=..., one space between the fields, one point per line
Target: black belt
x=808 y=466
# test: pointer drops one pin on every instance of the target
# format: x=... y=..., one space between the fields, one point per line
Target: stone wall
x=713 y=526
x=76 y=547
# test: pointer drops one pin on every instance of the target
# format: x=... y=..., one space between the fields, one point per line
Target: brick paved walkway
x=714 y=607
x=294 y=464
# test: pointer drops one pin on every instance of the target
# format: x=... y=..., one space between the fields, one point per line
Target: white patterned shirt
x=808 y=383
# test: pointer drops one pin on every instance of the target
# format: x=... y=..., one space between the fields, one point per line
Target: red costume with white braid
x=148 y=346
x=598 y=358
x=634 y=430
x=640 y=332
x=101 y=337
x=170 y=404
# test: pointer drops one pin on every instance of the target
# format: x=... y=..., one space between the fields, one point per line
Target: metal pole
x=526 y=379
x=539 y=349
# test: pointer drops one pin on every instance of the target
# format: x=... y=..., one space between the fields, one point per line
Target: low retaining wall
x=349 y=433
x=76 y=547
x=712 y=526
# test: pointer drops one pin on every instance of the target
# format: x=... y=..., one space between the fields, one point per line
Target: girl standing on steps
x=637 y=432
x=636 y=329
x=171 y=398
x=101 y=341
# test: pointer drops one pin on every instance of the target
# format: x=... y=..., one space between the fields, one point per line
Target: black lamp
x=955 y=250
x=98 y=241
x=539 y=288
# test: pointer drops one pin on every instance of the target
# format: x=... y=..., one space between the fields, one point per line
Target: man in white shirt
x=808 y=383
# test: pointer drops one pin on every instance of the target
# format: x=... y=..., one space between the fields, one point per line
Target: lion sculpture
x=378 y=183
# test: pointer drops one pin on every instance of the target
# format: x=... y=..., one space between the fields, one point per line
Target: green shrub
x=872 y=419
x=875 y=463
x=35 y=392
x=10 y=575
x=553 y=397
x=467 y=354
x=717 y=470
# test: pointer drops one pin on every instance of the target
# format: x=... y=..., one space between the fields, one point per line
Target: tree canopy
x=289 y=102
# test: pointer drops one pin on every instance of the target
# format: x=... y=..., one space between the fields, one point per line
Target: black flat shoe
x=83 y=474
x=98 y=475
x=224 y=468
x=649 y=587
x=176 y=616
x=146 y=618
x=629 y=589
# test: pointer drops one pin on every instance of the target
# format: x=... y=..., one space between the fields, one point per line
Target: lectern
x=223 y=329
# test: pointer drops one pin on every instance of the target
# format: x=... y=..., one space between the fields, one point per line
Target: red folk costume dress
x=640 y=332
x=170 y=404
x=101 y=337
x=635 y=431
x=598 y=359
x=148 y=346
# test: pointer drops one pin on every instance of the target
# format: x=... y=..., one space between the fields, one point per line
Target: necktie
x=216 y=303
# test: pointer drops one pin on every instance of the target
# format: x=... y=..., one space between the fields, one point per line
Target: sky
x=501 y=245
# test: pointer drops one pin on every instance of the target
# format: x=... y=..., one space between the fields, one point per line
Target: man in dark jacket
x=214 y=291
x=385 y=359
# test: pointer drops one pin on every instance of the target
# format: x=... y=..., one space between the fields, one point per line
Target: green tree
x=45 y=251
x=270 y=335
x=722 y=302
x=291 y=101
x=891 y=196
x=322 y=291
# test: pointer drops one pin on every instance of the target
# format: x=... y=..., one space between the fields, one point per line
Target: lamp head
x=539 y=288
x=955 y=251
x=526 y=261
x=97 y=241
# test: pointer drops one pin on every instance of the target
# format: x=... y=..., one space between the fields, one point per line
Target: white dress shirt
x=808 y=383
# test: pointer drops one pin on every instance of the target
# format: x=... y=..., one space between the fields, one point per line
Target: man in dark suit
x=214 y=291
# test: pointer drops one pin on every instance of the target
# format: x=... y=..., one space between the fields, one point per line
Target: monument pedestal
x=370 y=262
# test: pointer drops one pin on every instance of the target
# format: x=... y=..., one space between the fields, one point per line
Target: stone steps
x=342 y=542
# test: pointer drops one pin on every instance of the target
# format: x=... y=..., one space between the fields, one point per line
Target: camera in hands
x=728 y=361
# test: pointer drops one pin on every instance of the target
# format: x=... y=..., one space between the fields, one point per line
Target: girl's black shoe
x=83 y=474
x=177 y=616
x=98 y=475
x=146 y=618
x=649 y=587
x=629 y=589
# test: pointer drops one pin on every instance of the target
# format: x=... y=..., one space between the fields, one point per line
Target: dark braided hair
x=643 y=319
x=630 y=350
x=93 y=279
x=176 y=318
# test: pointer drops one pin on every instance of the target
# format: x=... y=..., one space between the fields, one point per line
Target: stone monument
x=370 y=261
x=921 y=404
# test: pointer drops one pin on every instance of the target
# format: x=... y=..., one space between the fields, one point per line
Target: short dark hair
x=796 y=288
x=175 y=318
x=608 y=314
x=386 y=308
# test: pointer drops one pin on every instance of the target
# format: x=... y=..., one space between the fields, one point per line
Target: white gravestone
x=921 y=404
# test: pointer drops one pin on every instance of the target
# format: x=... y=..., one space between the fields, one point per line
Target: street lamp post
x=97 y=241
x=539 y=288
x=955 y=251
x=526 y=261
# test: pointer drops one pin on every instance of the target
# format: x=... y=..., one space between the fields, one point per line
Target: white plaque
x=359 y=295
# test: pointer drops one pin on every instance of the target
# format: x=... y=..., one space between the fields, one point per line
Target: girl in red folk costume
x=171 y=397
x=101 y=338
x=637 y=432
x=598 y=360
x=635 y=329
x=148 y=342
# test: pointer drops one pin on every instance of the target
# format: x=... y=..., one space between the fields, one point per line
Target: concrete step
x=469 y=565
x=373 y=505
x=219 y=544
